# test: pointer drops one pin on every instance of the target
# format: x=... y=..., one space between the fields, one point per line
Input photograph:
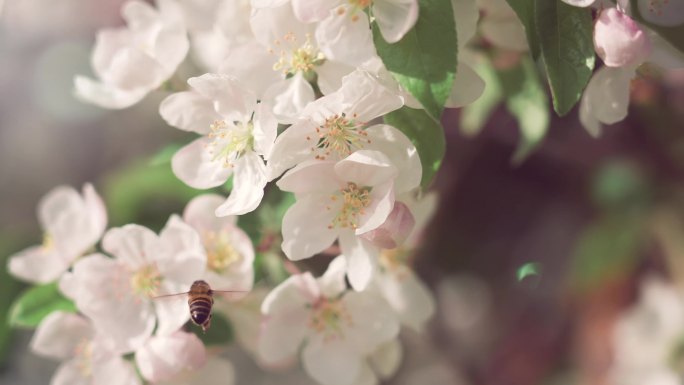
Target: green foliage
x=36 y=303
x=528 y=270
x=220 y=332
x=164 y=155
x=607 y=248
x=475 y=115
x=525 y=11
x=567 y=49
x=424 y=61
x=526 y=100
x=145 y=193
x=426 y=134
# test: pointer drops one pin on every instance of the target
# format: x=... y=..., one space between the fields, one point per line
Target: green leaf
x=164 y=155
x=219 y=333
x=426 y=134
x=424 y=60
x=567 y=48
x=608 y=248
x=528 y=270
x=527 y=101
x=36 y=303
x=475 y=115
x=525 y=11
x=145 y=194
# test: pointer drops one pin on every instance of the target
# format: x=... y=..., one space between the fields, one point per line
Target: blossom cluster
x=287 y=95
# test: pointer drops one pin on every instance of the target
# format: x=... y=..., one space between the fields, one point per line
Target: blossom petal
x=96 y=210
x=579 y=3
x=189 y=111
x=172 y=312
x=468 y=87
x=331 y=361
x=663 y=53
x=253 y=65
x=249 y=181
x=199 y=213
x=274 y=24
x=281 y=335
x=466 y=15
x=296 y=292
x=366 y=168
x=662 y=13
x=395 y=230
x=284 y=327
x=330 y=75
x=367 y=97
x=504 y=31
x=395 y=17
x=408 y=296
x=380 y=207
x=345 y=39
x=310 y=177
x=182 y=259
x=289 y=97
x=105 y=95
x=232 y=101
x=113 y=370
x=104 y=296
x=195 y=166
x=133 y=245
x=70 y=373
x=386 y=359
x=400 y=151
x=362 y=258
x=265 y=130
x=332 y=282
x=216 y=371
x=162 y=357
x=291 y=147
x=59 y=334
x=374 y=322
x=306 y=228
x=309 y=11
x=607 y=94
x=37 y=264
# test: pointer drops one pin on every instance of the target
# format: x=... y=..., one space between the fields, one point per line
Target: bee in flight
x=200 y=301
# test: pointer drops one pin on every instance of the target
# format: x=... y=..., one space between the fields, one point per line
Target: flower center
x=48 y=242
x=338 y=136
x=356 y=7
x=656 y=6
x=84 y=357
x=295 y=57
x=230 y=141
x=145 y=282
x=354 y=200
x=328 y=317
x=395 y=261
x=220 y=251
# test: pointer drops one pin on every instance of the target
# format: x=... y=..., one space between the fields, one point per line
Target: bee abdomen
x=200 y=309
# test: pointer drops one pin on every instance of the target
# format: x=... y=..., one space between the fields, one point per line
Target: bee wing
x=170 y=295
x=231 y=295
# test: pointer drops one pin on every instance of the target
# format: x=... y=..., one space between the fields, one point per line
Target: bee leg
x=206 y=324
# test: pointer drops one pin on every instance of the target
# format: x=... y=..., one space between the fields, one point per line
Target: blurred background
x=532 y=265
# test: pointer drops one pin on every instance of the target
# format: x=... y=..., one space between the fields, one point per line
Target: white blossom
x=236 y=133
x=87 y=357
x=116 y=293
x=72 y=223
x=134 y=60
x=230 y=253
x=338 y=328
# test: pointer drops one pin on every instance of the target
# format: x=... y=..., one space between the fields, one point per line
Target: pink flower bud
x=619 y=40
x=395 y=230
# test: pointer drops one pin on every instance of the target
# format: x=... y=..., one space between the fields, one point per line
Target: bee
x=200 y=302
